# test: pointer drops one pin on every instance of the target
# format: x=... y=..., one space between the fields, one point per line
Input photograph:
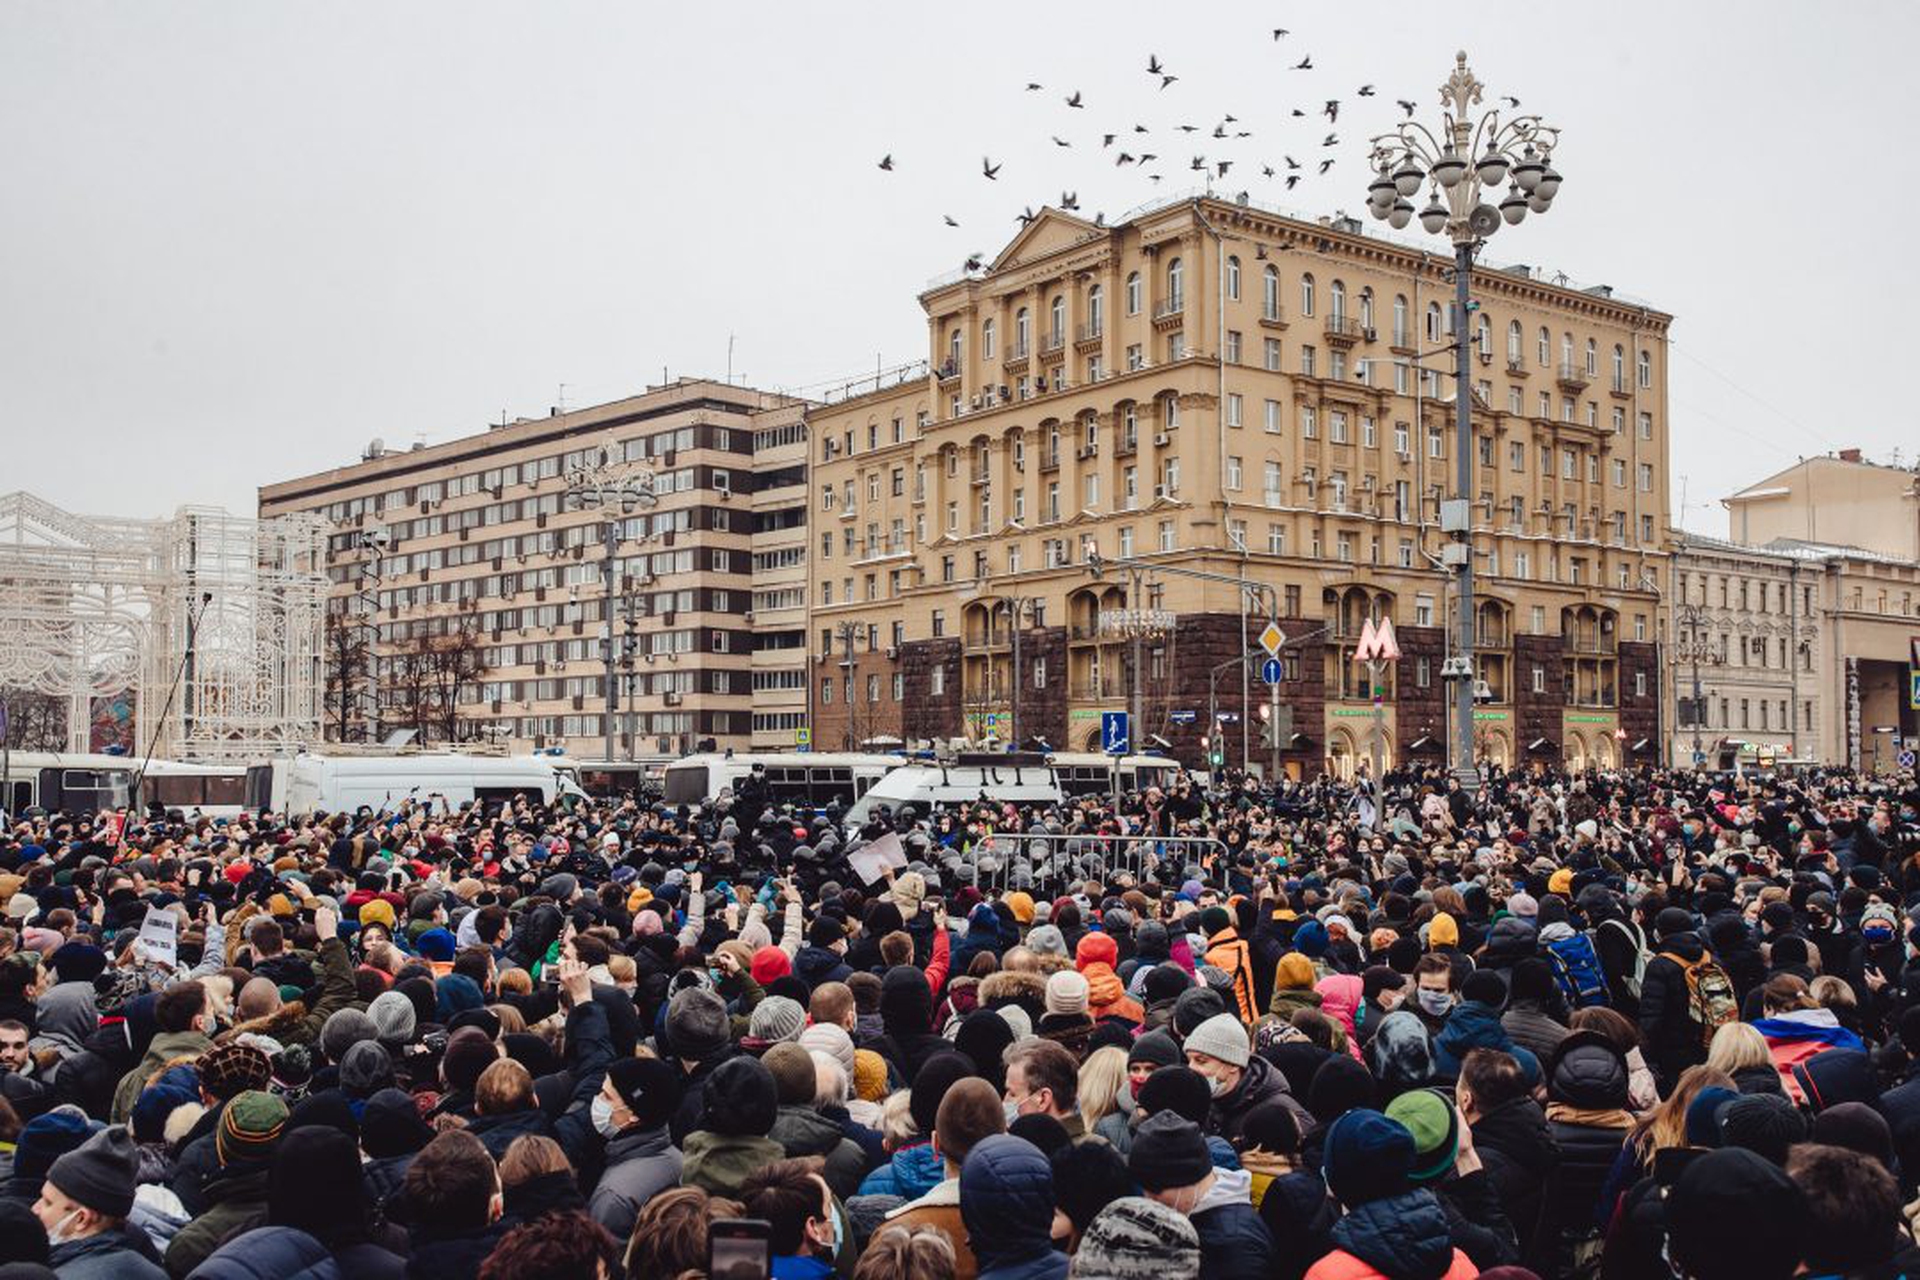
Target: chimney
x=1850 y=455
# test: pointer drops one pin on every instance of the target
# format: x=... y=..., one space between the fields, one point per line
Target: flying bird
x=1061 y=142
x=1034 y=88
x=973 y=263
x=1223 y=166
x=1405 y=106
x=988 y=167
x=1305 y=64
x=1325 y=165
x=1140 y=128
x=1333 y=140
x=1153 y=177
x=1122 y=158
x=1512 y=102
x=1293 y=180
x=1188 y=128
x=948 y=219
x=1106 y=139
x=1167 y=80
x=1219 y=131
x=886 y=162
x=1266 y=171
x=1365 y=91
x=1099 y=219
x=1298 y=114
x=1199 y=164
x=1069 y=200
x=1146 y=156
x=1280 y=31
x=1291 y=162
x=1232 y=119
x=1073 y=99
x=1025 y=216
x=1332 y=109
x=1153 y=65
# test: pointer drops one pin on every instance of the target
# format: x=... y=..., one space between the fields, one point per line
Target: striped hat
x=249 y=1127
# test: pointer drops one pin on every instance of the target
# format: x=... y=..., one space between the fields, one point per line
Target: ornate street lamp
x=1463 y=164
x=608 y=483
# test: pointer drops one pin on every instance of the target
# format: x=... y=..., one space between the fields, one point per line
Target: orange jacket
x=1227 y=953
x=1341 y=1265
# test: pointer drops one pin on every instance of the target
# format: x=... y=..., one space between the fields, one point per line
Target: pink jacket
x=1340 y=996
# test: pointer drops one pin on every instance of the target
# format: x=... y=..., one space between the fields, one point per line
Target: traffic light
x=1215 y=756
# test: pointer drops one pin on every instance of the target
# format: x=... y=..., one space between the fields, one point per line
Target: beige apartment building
x=1835 y=500
x=466 y=581
x=1212 y=386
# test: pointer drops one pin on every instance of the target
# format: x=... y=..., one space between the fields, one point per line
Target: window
x=1369 y=435
x=1434 y=323
x=1646 y=477
x=1569 y=464
x=1366 y=308
x=1234 y=471
x=1166 y=535
x=1093 y=491
x=1436 y=443
x=938 y=623
x=1277 y=539
x=1233 y=279
x=1272 y=485
x=1133 y=293
x=1176 y=286
x=953 y=348
x=1126 y=540
x=1337 y=301
x=1176 y=345
x=937 y=679
x=1306 y=294
x=1514 y=341
x=1545 y=351
x=1645 y=363
x=1233 y=346
x=1022 y=332
x=1646 y=426
x=1400 y=439
x=1307 y=362
x=1273 y=416
x=1136 y=358
x=1273 y=355
x=1516 y=455
x=1270 y=293
x=1233 y=408
x=1337 y=426
x=1057 y=315
x=1539 y=678
x=1400 y=333
x=986 y=339
x=1619 y=419
x=1309 y=422
x=1593 y=358
x=1169 y=411
x=1130 y=487
x=1170 y=476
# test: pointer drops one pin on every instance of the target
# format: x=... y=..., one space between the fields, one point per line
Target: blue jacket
x=1476 y=1026
x=815 y=965
x=983 y=934
x=1403 y=1235
x=270 y=1253
x=910 y=1174
x=794 y=1267
x=1234 y=1243
x=1006 y=1205
x=111 y=1255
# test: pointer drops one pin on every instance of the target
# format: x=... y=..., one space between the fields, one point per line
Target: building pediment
x=1047 y=234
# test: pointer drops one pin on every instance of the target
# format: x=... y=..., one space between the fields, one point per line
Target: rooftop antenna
x=729 y=359
x=561 y=402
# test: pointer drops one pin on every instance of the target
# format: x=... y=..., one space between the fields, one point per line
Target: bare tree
x=409 y=685
x=347 y=655
x=455 y=663
x=35 y=721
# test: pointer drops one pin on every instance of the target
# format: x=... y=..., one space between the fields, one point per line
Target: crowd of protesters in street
x=1639 y=1025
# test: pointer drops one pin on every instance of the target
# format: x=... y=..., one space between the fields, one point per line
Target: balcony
x=1052 y=342
x=1126 y=446
x=1274 y=317
x=1621 y=387
x=1343 y=330
x=1168 y=314
x=1050 y=460
x=1016 y=357
x=1089 y=336
x=948 y=370
x=1574 y=377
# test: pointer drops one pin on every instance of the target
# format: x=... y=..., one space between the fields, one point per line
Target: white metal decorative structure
x=1467 y=159
x=211 y=621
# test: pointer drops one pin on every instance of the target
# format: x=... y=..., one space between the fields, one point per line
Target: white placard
x=160 y=936
x=870 y=860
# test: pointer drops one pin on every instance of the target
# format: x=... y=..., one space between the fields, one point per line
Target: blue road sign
x=1182 y=717
x=1113 y=732
x=1270 y=671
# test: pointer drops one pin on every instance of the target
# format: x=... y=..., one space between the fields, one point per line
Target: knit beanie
x=1733 y=1215
x=869 y=1076
x=832 y=1040
x=250 y=1125
x=1194 y=1007
x=101 y=1173
x=1442 y=931
x=938 y=1074
x=343 y=1030
x=1047 y=940
x=1763 y=1123
x=1367 y=1157
x=1165 y=982
x=776 y=1018
x=1178 y=1089
x=1293 y=973
x=650 y=1088
x=1703 y=1115
x=1135 y=1238
x=795 y=1078
x=1222 y=1036
x=1066 y=993
x=739 y=1099
x=393 y=1019
x=366 y=1070
x=769 y=963
x=231 y=1068
x=1435 y=1126
x=697 y=1024
x=45 y=1139
x=1168 y=1151
x=1156 y=1047
x=436 y=945
x=1215 y=919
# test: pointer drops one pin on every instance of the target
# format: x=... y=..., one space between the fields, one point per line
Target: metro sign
x=1376 y=642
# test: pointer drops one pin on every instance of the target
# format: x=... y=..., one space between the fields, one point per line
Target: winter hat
x=1066 y=994
x=390 y=1125
x=776 y=1018
x=1194 y=1007
x=366 y=1070
x=1156 y=1047
x=1047 y=940
x=230 y=1068
x=393 y=1018
x=1310 y=940
x=436 y=945
x=1763 y=1123
x=769 y=963
x=1670 y=921
x=930 y=1085
x=1339 y=1085
x=1135 y=1238
x=164 y=1094
x=1857 y=1127
x=78 y=962
x=249 y=1126
x=740 y=1099
x=1181 y=1090
x=1733 y=1215
x=650 y=1088
x=1215 y=919
x=1703 y=1115
x=1293 y=973
x=1168 y=1151
x=1435 y=1126
x=1222 y=1036
x=825 y=932
x=869 y=1075
x=1165 y=982
x=831 y=1039
x=1442 y=931
x=343 y=1030
x=984 y=1037
x=697 y=1025
x=101 y=1173
x=1368 y=1157
x=1523 y=905
x=45 y=1139
x=1561 y=881
x=795 y=1078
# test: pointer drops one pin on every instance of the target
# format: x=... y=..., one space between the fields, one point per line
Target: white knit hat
x=1222 y=1036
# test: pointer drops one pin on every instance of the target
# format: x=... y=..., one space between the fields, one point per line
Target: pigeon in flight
x=988 y=167
x=1325 y=165
x=1266 y=171
x=1298 y=114
x=886 y=162
x=1219 y=131
x=1122 y=158
x=1106 y=139
x=1073 y=99
x=1332 y=109
x=1279 y=32
x=1188 y=128
x=948 y=219
x=1025 y=216
x=1146 y=156
x=1405 y=106
x=1199 y=164
x=1034 y=88
x=1293 y=180
x=1305 y=64
x=1167 y=80
x=1333 y=140
x=1223 y=166
x=1365 y=91
x=1060 y=142
x=1070 y=200
x=1232 y=119
x=1512 y=102
x=973 y=263
x=1153 y=65
x=1291 y=162
x=1140 y=128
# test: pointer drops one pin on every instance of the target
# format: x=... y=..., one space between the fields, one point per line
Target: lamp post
x=1020 y=610
x=1690 y=646
x=609 y=484
x=1465 y=163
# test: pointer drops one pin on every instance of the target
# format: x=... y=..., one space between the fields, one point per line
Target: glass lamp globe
x=1514 y=207
x=1538 y=203
x=1401 y=214
x=1449 y=169
x=1407 y=178
x=1382 y=190
x=1434 y=217
x=1528 y=171
x=1492 y=168
x=1549 y=183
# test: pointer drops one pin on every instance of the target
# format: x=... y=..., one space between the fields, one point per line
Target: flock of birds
x=1132 y=144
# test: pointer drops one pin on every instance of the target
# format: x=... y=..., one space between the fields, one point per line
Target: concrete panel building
x=1834 y=500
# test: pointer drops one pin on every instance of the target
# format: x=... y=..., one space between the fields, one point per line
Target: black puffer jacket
x=1517 y=1147
x=1673 y=1040
x=1587 y=1076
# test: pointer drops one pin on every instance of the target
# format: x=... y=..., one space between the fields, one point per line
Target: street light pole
x=1464 y=160
x=616 y=489
x=1689 y=619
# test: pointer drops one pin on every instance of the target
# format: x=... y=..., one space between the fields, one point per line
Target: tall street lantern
x=1463 y=165
x=606 y=482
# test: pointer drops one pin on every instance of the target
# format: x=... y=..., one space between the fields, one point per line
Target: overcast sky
x=239 y=239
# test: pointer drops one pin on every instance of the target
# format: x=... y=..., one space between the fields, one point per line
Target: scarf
x=1562 y=1113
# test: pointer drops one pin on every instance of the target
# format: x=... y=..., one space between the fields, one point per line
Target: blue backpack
x=1576 y=967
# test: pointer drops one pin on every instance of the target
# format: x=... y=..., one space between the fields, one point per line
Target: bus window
x=175 y=791
x=81 y=789
x=226 y=788
x=259 y=787
x=19 y=795
x=686 y=785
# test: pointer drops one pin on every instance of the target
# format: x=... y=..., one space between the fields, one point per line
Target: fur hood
x=1017 y=986
x=275 y=1026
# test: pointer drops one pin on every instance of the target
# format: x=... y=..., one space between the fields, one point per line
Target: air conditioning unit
x=671 y=698
x=1370 y=333
x=1159 y=491
x=893 y=652
x=974 y=403
x=1486 y=357
x=1087 y=451
x=1161 y=440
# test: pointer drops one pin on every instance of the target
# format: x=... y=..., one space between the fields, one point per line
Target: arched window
x=1619 y=367
x=1366 y=308
x=1306 y=294
x=1337 y=300
x=1514 y=341
x=1233 y=279
x=1169 y=411
x=1176 y=285
x=1483 y=335
x=1270 y=293
x=1022 y=332
x=1593 y=357
x=1546 y=347
x=1059 y=318
x=1566 y=350
x=1096 y=310
x=1434 y=326
x=986 y=339
x=1400 y=330
x=1645 y=363
x=953 y=348
x=1133 y=294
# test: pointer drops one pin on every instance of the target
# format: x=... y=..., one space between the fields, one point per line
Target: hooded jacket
x=1518 y=1151
x=719 y=1164
x=271 y=1253
x=1476 y=1026
x=1401 y=1237
x=1261 y=1083
x=802 y=1131
x=236 y=1201
x=815 y=965
x=911 y=1173
x=1673 y=1040
x=640 y=1164
x=906 y=1014
x=1007 y=1203
x=1234 y=1242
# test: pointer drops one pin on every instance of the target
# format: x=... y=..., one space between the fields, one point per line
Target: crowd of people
x=1629 y=1024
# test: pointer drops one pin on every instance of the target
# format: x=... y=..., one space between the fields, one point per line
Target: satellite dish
x=1484 y=220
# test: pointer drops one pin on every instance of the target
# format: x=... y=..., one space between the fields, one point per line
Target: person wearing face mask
x=84 y=1205
x=630 y=1113
x=807 y=1230
x=1170 y=1162
x=1240 y=1081
x=1432 y=992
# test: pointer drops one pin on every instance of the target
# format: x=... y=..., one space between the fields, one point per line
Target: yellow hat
x=639 y=898
x=280 y=905
x=377 y=911
x=869 y=1076
x=1561 y=881
x=1295 y=972
x=1443 y=932
x=1022 y=906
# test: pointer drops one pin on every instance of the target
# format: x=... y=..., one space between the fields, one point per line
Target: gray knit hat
x=697 y=1024
x=393 y=1018
x=1222 y=1036
x=1134 y=1238
x=777 y=1018
x=1047 y=939
x=344 y=1030
x=366 y=1070
x=101 y=1173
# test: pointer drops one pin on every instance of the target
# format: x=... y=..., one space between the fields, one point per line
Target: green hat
x=1429 y=1116
x=250 y=1125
